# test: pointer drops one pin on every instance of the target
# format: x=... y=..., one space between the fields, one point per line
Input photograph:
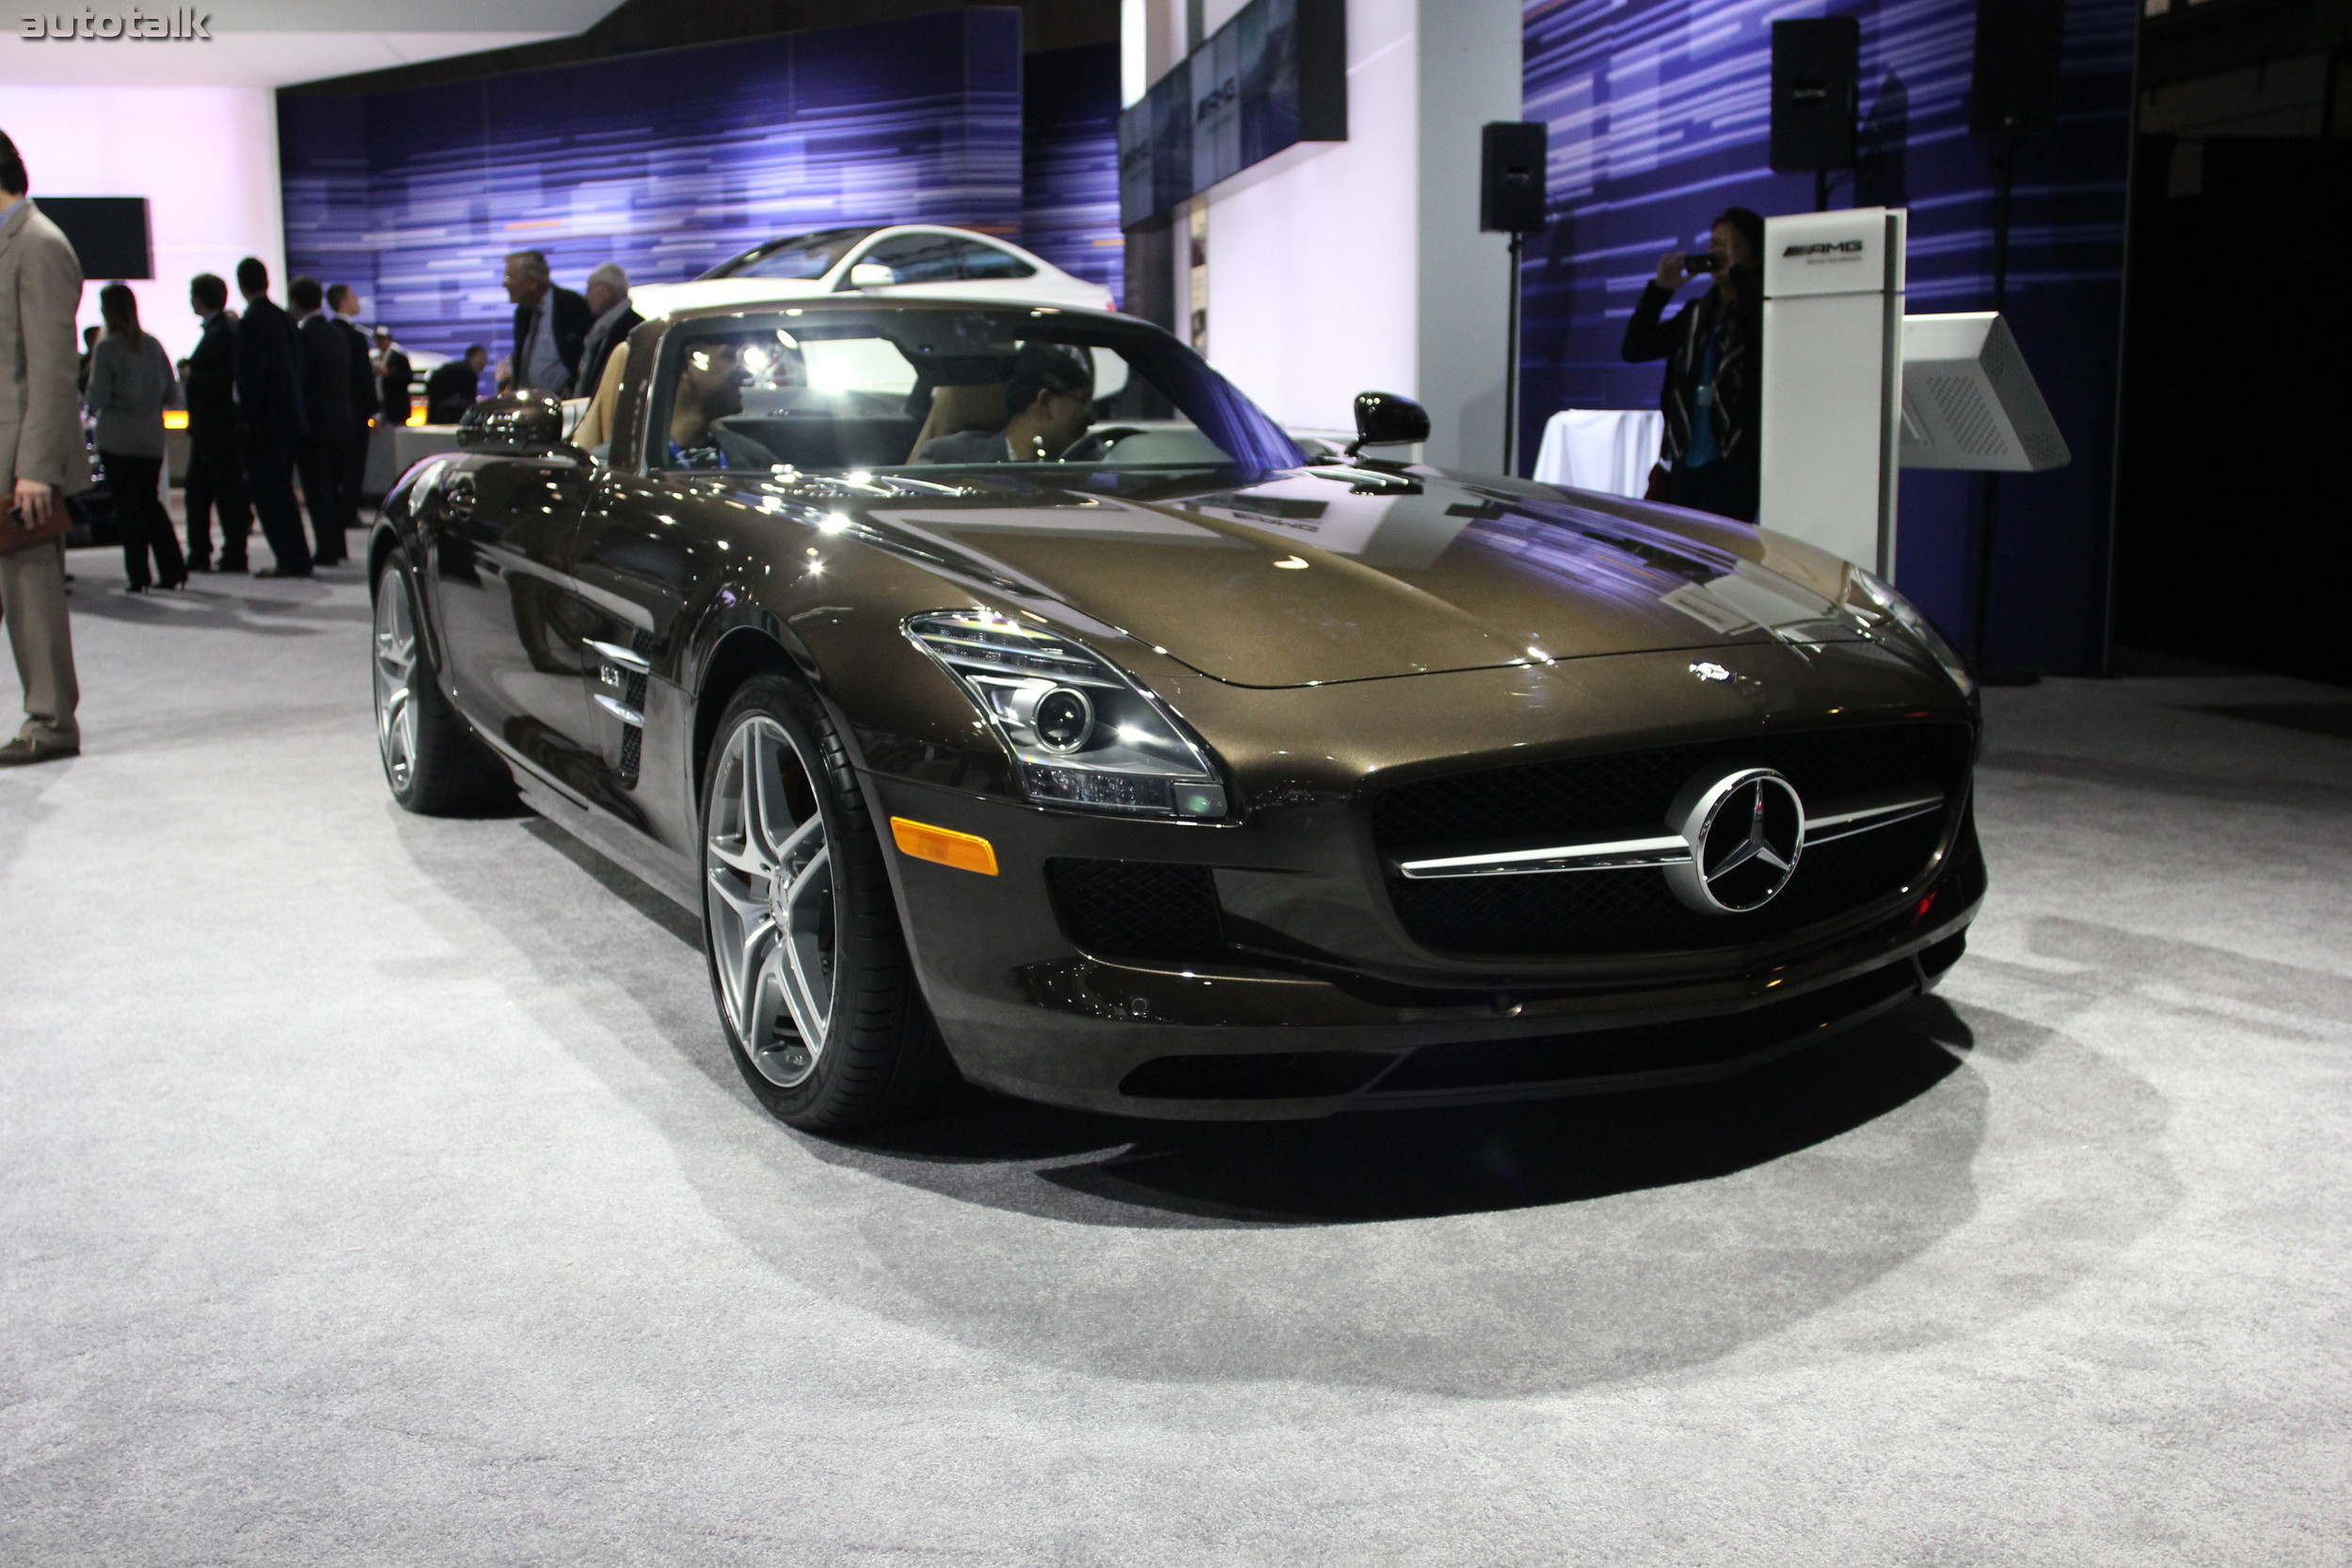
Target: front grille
x=1626 y=795
x=1137 y=909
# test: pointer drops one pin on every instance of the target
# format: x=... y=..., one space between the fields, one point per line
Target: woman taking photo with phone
x=1714 y=360
x=129 y=385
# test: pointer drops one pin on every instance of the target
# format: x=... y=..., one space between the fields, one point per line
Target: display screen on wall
x=108 y=233
x=1272 y=77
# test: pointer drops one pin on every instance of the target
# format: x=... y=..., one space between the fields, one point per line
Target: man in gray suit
x=40 y=445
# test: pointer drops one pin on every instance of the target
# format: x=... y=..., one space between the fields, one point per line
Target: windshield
x=799 y=258
x=910 y=387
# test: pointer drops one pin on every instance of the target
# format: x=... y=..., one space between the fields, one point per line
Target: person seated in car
x=709 y=387
x=1050 y=394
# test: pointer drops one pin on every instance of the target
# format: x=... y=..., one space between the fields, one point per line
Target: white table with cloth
x=1609 y=449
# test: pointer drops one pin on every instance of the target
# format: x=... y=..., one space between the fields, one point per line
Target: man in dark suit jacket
x=392 y=375
x=550 y=326
x=608 y=297
x=270 y=422
x=450 y=390
x=327 y=413
x=215 y=479
x=342 y=301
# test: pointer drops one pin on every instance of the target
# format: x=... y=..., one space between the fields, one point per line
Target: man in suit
x=451 y=390
x=270 y=424
x=215 y=480
x=40 y=290
x=550 y=326
x=344 y=301
x=608 y=298
x=392 y=375
x=326 y=417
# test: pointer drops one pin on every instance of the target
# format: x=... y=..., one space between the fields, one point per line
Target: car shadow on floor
x=997 y=1153
x=1407 y=1165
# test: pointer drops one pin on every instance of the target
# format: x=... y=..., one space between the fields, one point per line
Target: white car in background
x=923 y=260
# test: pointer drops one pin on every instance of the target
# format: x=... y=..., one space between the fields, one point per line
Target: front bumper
x=1024 y=1011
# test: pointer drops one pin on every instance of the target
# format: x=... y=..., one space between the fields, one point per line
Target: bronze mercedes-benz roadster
x=1013 y=699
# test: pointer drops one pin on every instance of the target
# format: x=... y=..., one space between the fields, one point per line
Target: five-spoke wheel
x=807 y=964
x=395 y=683
x=432 y=761
x=769 y=879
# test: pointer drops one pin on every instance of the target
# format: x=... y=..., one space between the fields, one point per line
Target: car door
x=634 y=572
x=499 y=533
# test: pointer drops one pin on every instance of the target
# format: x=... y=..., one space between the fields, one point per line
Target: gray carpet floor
x=378 y=1190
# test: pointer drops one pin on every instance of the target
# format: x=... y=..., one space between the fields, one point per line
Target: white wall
x=1350 y=266
x=205 y=158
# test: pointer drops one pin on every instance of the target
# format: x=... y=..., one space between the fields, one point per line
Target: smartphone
x=1696 y=262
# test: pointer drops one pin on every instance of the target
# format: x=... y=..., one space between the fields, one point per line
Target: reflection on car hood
x=1336 y=575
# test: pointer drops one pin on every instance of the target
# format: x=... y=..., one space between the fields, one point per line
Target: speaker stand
x=1511 y=367
x=1989 y=485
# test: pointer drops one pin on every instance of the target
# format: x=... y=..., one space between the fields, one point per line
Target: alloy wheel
x=768 y=876
x=395 y=682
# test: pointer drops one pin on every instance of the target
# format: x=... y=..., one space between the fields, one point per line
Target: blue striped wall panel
x=666 y=161
x=1659 y=111
x=1070 y=163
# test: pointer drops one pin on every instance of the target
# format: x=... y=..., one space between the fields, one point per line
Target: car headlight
x=1875 y=598
x=1086 y=733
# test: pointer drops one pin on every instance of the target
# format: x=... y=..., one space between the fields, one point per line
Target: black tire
x=447 y=771
x=879 y=1058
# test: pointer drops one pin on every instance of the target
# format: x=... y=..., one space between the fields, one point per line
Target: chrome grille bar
x=1850 y=817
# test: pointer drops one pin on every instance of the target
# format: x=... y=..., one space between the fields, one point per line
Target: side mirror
x=872 y=275
x=1386 y=419
x=521 y=422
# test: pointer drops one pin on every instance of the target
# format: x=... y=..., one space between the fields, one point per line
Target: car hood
x=1345 y=575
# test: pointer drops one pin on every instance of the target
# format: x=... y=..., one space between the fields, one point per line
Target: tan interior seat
x=596 y=425
x=954 y=409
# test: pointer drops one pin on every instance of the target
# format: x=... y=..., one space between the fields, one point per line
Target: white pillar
x=1343 y=267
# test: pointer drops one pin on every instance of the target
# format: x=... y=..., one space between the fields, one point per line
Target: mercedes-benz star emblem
x=1746 y=831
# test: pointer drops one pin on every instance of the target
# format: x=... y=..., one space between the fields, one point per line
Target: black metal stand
x=1511 y=368
x=1989 y=485
x=1820 y=190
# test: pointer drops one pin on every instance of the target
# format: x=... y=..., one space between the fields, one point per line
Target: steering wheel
x=1095 y=444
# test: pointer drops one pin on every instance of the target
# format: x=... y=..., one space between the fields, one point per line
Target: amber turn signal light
x=965 y=851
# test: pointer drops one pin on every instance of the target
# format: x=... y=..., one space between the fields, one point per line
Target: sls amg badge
x=1708 y=669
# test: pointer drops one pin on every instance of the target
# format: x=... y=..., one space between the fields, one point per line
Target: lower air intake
x=1137 y=909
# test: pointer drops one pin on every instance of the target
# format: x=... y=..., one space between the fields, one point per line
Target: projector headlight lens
x=1874 y=598
x=1085 y=732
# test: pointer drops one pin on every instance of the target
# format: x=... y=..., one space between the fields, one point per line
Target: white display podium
x=1832 y=381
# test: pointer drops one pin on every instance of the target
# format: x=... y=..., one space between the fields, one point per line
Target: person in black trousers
x=129 y=385
x=215 y=479
x=326 y=359
x=342 y=302
x=1714 y=353
x=269 y=418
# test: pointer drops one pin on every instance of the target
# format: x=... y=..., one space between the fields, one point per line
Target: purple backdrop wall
x=666 y=161
x=1070 y=163
x=1659 y=111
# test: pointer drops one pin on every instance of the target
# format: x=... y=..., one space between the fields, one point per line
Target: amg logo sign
x=1831 y=249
